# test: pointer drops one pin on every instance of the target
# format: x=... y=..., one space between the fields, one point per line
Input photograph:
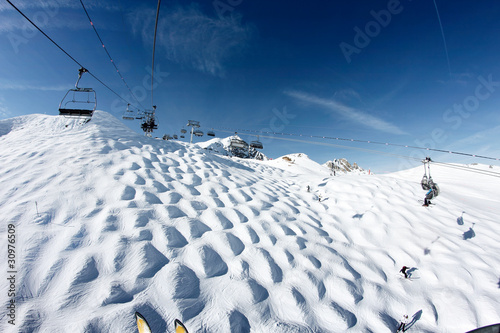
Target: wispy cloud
x=480 y=143
x=4 y=112
x=49 y=5
x=462 y=79
x=347 y=112
x=55 y=14
x=194 y=39
x=28 y=86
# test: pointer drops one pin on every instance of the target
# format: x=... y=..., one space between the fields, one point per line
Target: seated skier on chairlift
x=428 y=184
x=431 y=193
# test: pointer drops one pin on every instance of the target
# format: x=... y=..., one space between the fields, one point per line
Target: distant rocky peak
x=343 y=165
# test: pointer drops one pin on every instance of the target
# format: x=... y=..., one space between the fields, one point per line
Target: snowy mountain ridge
x=109 y=222
x=223 y=147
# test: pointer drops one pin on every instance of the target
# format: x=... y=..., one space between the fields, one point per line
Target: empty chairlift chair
x=256 y=144
x=78 y=102
x=129 y=114
x=211 y=133
x=238 y=143
x=198 y=133
x=426 y=181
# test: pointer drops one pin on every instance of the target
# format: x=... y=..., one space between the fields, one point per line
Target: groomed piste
x=109 y=222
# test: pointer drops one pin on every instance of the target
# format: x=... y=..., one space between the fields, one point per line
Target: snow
x=109 y=222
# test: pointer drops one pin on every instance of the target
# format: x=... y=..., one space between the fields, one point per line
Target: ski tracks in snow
x=127 y=223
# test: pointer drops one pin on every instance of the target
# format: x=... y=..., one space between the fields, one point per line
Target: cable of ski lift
x=110 y=58
x=331 y=145
x=464 y=168
x=467 y=168
x=66 y=53
x=154 y=48
x=361 y=141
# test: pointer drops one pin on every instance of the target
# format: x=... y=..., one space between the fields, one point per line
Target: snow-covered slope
x=109 y=222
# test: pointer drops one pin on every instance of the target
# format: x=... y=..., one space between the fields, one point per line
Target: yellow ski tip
x=142 y=323
x=179 y=327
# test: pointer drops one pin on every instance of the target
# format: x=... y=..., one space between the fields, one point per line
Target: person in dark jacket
x=404 y=322
x=428 y=196
x=403 y=270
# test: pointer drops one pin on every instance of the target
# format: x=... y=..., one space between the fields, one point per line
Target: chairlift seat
x=238 y=143
x=76 y=112
x=198 y=133
x=256 y=144
x=210 y=133
x=78 y=102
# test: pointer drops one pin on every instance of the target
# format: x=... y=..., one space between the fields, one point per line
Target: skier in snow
x=403 y=270
x=404 y=322
x=319 y=198
x=308 y=188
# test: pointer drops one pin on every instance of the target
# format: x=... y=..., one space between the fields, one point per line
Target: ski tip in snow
x=179 y=327
x=142 y=323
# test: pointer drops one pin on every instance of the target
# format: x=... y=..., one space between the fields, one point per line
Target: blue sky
x=370 y=70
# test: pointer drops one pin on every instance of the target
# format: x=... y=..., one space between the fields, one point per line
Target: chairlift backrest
x=435 y=189
x=425 y=183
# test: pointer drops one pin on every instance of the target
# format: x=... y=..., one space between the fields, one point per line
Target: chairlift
x=175 y=136
x=198 y=133
x=150 y=122
x=182 y=136
x=129 y=114
x=426 y=181
x=149 y=125
x=193 y=123
x=238 y=143
x=211 y=133
x=183 y=131
x=78 y=102
x=256 y=144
